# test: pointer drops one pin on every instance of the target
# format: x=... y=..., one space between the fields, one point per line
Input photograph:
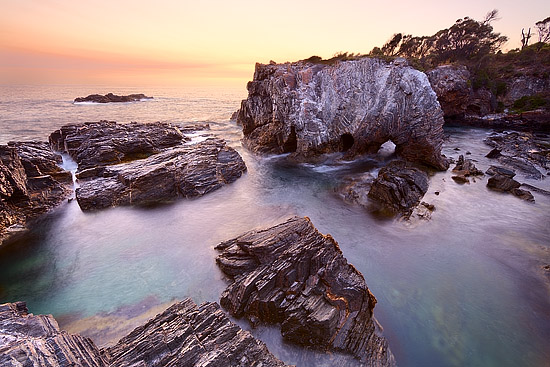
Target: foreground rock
x=31 y=183
x=184 y=171
x=399 y=187
x=183 y=335
x=144 y=164
x=110 y=98
x=28 y=340
x=523 y=151
x=190 y=335
x=293 y=275
x=351 y=106
x=464 y=169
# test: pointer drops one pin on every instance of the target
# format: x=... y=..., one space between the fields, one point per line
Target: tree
x=525 y=38
x=543 y=30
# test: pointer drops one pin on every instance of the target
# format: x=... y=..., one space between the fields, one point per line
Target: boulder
x=464 y=169
x=183 y=335
x=28 y=340
x=292 y=275
x=399 y=187
x=502 y=183
x=31 y=183
x=110 y=97
x=190 y=335
x=499 y=170
x=183 y=171
x=451 y=84
x=350 y=106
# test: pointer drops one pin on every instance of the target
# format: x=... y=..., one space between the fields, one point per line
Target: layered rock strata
x=293 y=275
x=143 y=163
x=353 y=106
x=183 y=335
x=399 y=187
x=31 y=183
x=111 y=98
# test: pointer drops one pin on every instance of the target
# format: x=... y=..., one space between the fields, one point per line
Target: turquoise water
x=466 y=288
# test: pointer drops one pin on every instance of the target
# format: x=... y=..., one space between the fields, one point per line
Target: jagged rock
x=31 y=183
x=110 y=97
x=499 y=170
x=353 y=106
x=183 y=335
x=524 y=151
x=399 y=187
x=190 y=335
x=293 y=275
x=465 y=168
x=502 y=183
x=28 y=340
x=184 y=171
x=451 y=84
x=106 y=142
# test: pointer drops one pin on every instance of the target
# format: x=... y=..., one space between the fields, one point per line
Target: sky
x=211 y=42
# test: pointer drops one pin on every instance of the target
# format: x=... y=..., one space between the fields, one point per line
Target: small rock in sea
x=111 y=98
x=468 y=153
x=437 y=193
x=428 y=206
x=499 y=170
x=460 y=179
x=494 y=153
x=523 y=194
x=457 y=149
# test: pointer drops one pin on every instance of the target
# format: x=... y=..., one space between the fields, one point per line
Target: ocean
x=465 y=288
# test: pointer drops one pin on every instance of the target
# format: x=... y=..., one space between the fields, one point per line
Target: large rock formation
x=31 y=183
x=183 y=335
x=399 y=187
x=452 y=85
x=110 y=97
x=293 y=275
x=353 y=106
x=28 y=340
x=143 y=163
x=190 y=335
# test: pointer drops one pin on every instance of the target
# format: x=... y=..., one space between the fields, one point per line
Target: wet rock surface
x=523 y=151
x=190 y=335
x=143 y=164
x=28 y=340
x=399 y=187
x=351 y=106
x=504 y=183
x=293 y=275
x=111 y=98
x=183 y=335
x=464 y=169
x=31 y=183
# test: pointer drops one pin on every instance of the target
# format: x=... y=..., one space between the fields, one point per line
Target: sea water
x=465 y=288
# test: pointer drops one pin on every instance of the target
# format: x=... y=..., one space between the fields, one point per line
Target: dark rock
x=184 y=171
x=494 y=153
x=399 y=187
x=183 y=335
x=502 y=183
x=352 y=106
x=293 y=275
x=465 y=168
x=110 y=97
x=523 y=194
x=437 y=193
x=499 y=170
x=536 y=189
x=106 y=142
x=451 y=84
x=190 y=335
x=31 y=183
x=28 y=340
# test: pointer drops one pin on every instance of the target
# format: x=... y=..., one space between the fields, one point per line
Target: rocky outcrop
x=464 y=169
x=144 y=163
x=523 y=151
x=399 y=187
x=451 y=84
x=184 y=171
x=502 y=180
x=28 y=340
x=526 y=85
x=110 y=98
x=31 y=183
x=351 y=106
x=293 y=275
x=183 y=335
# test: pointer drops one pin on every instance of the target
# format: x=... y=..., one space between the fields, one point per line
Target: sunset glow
x=211 y=42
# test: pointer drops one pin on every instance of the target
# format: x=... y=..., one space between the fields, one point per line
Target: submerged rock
x=399 y=187
x=110 y=97
x=352 y=106
x=31 y=183
x=183 y=335
x=190 y=335
x=125 y=164
x=293 y=275
x=184 y=171
x=28 y=340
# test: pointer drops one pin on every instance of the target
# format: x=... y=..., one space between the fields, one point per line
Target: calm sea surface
x=466 y=288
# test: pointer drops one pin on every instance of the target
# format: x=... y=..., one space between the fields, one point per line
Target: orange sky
x=210 y=42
